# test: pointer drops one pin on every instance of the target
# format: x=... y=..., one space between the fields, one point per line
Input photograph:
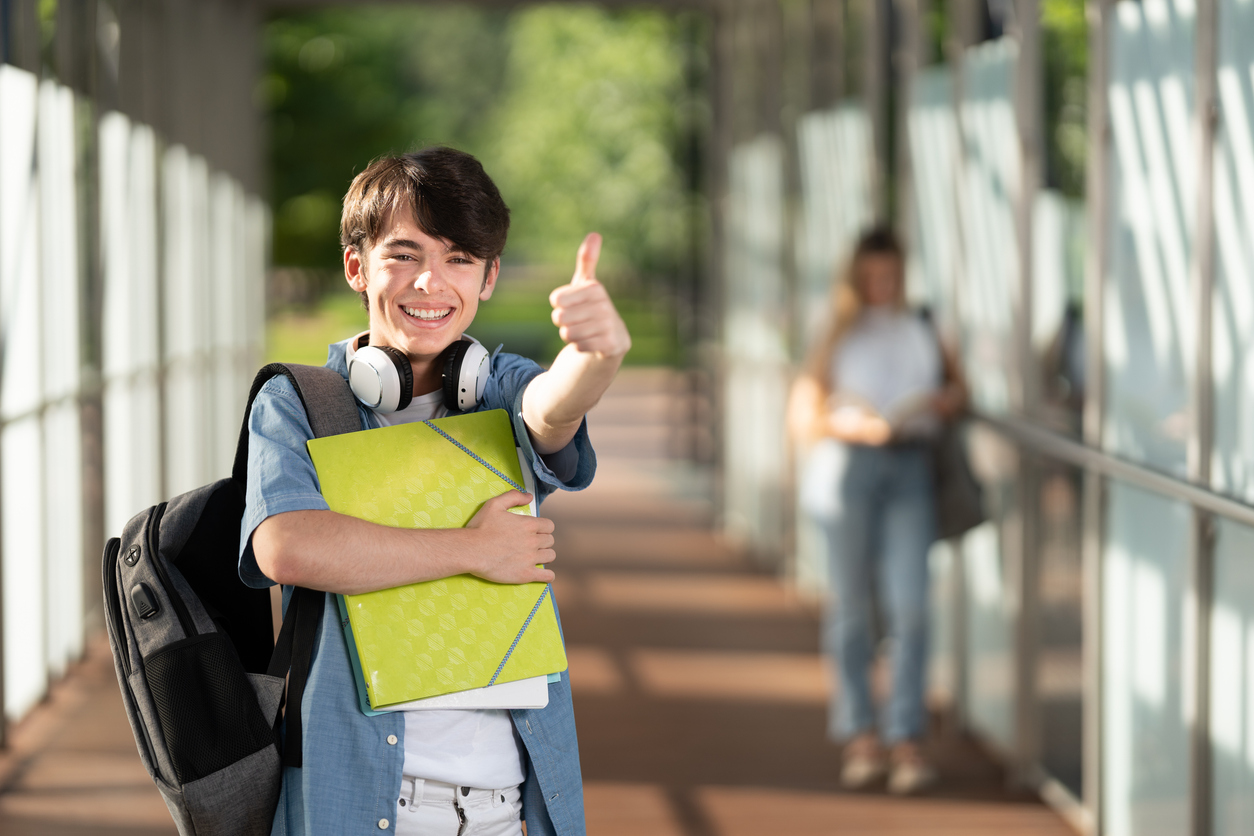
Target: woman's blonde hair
x=847 y=302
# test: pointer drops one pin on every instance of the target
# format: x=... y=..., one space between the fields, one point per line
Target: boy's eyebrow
x=406 y=243
x=401 y=243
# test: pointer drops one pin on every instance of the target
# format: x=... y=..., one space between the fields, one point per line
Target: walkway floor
x=699 y=691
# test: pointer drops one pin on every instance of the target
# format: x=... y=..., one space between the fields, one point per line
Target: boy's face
x=423 y=292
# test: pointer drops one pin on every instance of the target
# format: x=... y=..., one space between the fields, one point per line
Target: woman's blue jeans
x=879 y=518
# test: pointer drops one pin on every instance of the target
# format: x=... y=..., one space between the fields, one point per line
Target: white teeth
x=422 y=313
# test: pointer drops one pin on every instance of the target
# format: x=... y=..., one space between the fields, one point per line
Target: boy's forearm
x=337 y=553
x=555 y=403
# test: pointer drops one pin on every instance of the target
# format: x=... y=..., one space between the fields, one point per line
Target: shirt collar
x=337 y=354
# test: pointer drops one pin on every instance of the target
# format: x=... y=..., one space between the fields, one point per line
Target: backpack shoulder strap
x=329 y=404
x=332 y=410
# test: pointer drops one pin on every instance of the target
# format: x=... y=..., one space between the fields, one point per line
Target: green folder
x=451 y=634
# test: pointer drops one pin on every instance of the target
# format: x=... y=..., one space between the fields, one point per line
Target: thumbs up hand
x=583 y=312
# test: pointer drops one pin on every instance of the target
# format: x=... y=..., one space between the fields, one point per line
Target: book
x=524 y=693
x=453 y=634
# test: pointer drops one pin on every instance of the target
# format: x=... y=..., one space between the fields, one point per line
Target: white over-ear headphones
x=381 y=378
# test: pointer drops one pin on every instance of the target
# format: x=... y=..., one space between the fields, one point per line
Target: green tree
x=344 y=86
x=1065 y=41
x=586 y=136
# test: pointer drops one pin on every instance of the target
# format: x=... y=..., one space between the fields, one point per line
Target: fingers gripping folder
x=452 y=635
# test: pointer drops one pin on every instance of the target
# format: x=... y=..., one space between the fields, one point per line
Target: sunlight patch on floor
x=732 y=675
x=618 y=809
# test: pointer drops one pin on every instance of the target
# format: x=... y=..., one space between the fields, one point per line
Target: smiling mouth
x=426 y=314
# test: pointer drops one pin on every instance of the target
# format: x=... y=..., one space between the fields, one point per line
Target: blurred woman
x=870 y=403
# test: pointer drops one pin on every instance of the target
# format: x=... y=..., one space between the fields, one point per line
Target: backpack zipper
x=176 y=601
x=113 y=611
x=113 y=607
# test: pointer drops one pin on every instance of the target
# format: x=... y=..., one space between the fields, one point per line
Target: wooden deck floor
x=699 y=689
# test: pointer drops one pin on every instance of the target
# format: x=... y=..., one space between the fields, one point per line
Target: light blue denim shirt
x=351 y=776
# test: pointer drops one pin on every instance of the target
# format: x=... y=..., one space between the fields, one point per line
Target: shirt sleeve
x=281 y=476
x=511 y=375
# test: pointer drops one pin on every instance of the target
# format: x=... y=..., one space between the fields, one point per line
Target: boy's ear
x=489 y=279
x=354 y=269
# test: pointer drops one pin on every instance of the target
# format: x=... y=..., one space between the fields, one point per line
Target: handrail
x=1071 y=451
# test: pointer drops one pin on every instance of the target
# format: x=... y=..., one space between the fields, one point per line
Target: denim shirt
x=351 y=777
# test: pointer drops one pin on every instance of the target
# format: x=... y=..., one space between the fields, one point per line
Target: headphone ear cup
x=381 y=378
x=476 y=367
x=451 y=372
x=405 y=372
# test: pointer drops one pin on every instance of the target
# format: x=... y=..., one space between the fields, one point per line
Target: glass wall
x=1149 y=328
x=91 y=321
x=1145 y=664
x=933 y=136
x=756 y=380
x=1232 y=680
x=991 y=561
x=1060 y=623
x=1068 y=627
x=987 y=285
x=1057 y=328
x=835 y=158
x=1232 y=461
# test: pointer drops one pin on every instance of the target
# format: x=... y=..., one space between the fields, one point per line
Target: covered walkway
x=699 y=689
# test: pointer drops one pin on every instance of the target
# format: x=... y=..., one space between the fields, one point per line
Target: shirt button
x=391 y=740
x=383 y=824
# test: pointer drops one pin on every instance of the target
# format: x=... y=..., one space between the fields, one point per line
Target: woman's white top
x=889 y=361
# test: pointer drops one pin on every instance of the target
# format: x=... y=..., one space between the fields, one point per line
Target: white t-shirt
x=467 y=747
x=890 y=361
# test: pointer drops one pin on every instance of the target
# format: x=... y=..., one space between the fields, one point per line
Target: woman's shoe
x=863 y=762
x=911 y=773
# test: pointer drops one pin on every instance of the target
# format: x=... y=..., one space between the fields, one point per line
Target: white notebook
x=523 y=693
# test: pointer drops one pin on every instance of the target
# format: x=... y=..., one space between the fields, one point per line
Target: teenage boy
x=422 y=236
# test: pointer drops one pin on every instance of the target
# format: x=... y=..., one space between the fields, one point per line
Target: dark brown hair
x=448 y=192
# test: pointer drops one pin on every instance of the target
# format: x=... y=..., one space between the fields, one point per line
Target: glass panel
x=226 y=251
x=835 y=156
x=1232 y=463
x=757 y=355
x=834 y=148
x=1149 y=319
x=1145 y=739
x=1232 y=680
x=989 y=280
x=991 y=606
x=188 y=320
x=25 y=638
x=1059 y=665
x=62 y=355
x=129 y=254
x=943 y=662
x=1057 y=312
x=933 y=137
x=21 y=440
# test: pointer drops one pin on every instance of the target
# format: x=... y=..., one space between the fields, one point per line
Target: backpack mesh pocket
x=206 y=707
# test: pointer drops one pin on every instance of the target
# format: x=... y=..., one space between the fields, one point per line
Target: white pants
x=433 y=808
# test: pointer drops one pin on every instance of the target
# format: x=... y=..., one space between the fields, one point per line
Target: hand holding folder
x=451 y=634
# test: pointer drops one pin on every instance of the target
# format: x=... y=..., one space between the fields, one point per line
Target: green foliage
x=576 y=112
x=586 y=135
x=344 y=86
x=302 y=336
x=1065 y=41
x=581 y=115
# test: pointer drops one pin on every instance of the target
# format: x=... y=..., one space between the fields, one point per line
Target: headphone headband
x=383 y=380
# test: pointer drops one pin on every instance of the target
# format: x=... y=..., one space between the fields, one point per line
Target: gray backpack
x=201 y=676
